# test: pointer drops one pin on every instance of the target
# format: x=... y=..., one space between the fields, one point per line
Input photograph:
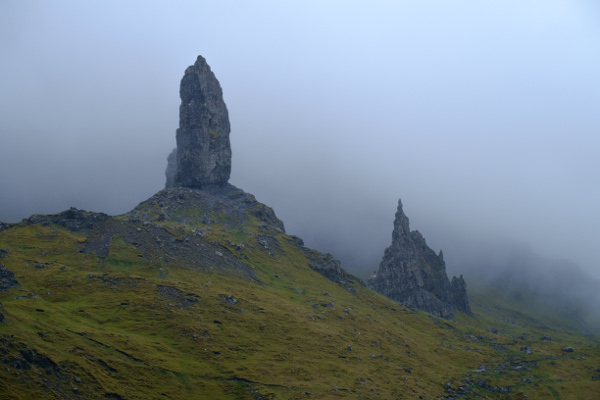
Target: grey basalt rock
x=203 y=147
x=330 y=268
x=458 y=287
x=414 y=276
x=7 y=279
x=72 y=219
x=171 y=169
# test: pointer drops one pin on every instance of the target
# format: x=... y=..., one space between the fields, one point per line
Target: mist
x=483 y=118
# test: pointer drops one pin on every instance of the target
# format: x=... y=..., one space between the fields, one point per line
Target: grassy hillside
x=198 y=300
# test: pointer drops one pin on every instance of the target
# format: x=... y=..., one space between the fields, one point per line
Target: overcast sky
x=484 y=117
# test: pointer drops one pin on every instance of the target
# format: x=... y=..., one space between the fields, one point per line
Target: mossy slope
x=187 y=298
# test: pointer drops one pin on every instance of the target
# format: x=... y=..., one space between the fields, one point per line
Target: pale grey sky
x=482 y=116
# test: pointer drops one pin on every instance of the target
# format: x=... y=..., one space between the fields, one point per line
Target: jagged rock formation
x=414 y=276
x=171 y=169
x=202 y=160
x=203 y=147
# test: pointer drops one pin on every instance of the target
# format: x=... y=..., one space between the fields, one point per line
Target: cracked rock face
x=414 y=276
x=203 y=147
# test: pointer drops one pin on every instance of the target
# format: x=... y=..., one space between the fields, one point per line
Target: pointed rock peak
x=401 y=223
x=399 y=208
x=412 y=274
x=203 y=147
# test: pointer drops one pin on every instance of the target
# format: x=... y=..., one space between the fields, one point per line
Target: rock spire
x=203 y=156
x=414 y=276
x=171 y=168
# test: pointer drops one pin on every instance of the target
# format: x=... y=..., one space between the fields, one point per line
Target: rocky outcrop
x=227 y=205
x=329 y=267
x=414 y=276
x=171 y=169
x=458 y=288
x=203 y=147
x=72 y=219
x=7 y=279
x=4 y=225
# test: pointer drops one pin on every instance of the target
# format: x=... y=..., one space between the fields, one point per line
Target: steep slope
x=191 y=294
x=556 y=292
x=514 y=308
x=200 y=294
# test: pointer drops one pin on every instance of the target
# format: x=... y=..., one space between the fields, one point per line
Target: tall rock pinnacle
x=171 y=168
x=203 y=148
x=414 y=276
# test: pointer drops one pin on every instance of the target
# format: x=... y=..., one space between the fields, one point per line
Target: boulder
x=7 y=279
x=527 y=350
